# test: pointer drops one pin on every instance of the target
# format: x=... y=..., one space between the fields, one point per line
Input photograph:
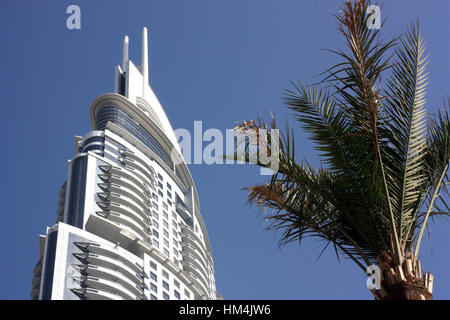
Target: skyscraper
x=129 y=223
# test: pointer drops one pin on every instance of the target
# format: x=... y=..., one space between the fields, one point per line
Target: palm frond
x=437 y=160
x=383 y=162
x=405 y=107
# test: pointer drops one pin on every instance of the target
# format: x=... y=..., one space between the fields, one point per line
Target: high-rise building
x=129 y=223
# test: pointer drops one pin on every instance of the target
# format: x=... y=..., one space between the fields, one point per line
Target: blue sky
x=215 y=61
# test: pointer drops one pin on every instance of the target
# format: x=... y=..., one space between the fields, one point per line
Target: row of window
x=165 y=285
x=125 y=121
x=160 y=177
x=165 y=223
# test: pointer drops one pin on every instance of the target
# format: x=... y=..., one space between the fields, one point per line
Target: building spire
x=125 y=53
x=144 y=65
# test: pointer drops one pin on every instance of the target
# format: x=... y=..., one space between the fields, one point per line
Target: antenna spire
x=144 y=66
x=125 y=53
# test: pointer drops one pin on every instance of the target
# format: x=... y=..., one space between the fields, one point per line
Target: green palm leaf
x=385 y=167
x=405 y=105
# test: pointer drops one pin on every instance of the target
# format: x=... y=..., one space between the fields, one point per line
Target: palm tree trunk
x=403 y=282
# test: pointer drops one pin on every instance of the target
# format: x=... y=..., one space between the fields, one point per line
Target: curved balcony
x=105 y=286
x=114 y=276
x=124 y=201
x=129 y=154
x=106 y=262
x=131 y=188
x=115 y=253
x=142 y=220
x=191 y=269
x=183 y=212
x=95 y=294
x=138 y=166
x=189 y=249
x=144 y=202
x=190 y=258
x=122 y=179
x=131 y=180
x=188 y=230
x=128 y=194
x=197 y=281
x=188 y=239
x=131 y=224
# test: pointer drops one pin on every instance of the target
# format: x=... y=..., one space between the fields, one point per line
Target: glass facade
x=49 y=266
x=77 y=192
x=95 y=144
x=123 y=120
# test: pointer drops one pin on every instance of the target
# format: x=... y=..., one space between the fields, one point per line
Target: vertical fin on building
x=144 y=65
x=125 y=53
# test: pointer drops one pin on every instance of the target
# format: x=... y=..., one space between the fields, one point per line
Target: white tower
x=129 y=223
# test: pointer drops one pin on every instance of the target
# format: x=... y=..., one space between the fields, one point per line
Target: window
x=165 y=296
x=165 y=224
x=160 y=185
x=169 y=202
x=177 y=284
x=169 y=195
x=166 y=234
x=174 y=233
x=165 y=285
x=155 y=214
x=155 y=233
x=177 y=263
x=165 y=215
x=153 y=288
x=166 y=243
x=160 y=177
x=187 y=293
x=174 y=224
x=165 y=206
x=153 y=265
x=120 y=118
x=165 y=274
x=169 y=186
x=152 y=297
x=155 y=243
x=166 y=252
x=175 y=252
x=174 y=216
x=155 y=206
x=160 y=193
x=156 y=224
x=155 y=196
x=153 y=276
x=176 y=294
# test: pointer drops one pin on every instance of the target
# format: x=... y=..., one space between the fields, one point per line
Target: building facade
x=128 y=221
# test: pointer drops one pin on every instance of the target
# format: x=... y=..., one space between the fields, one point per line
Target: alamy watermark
x=374 y=19
x=373 y=282
x=259 y=146
x=73 y=21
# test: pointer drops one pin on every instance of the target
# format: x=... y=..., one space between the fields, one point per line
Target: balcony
x=95 y=294
x=106 y=286
x=183 y=212
x=189 y=258
x=114 y=276
x=97 y=260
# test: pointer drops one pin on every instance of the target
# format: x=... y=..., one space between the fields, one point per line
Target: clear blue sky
x=215 y=61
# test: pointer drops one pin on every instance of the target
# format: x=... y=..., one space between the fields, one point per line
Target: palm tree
x=385 y=162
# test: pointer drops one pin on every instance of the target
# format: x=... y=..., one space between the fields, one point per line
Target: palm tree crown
x=386 y=162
